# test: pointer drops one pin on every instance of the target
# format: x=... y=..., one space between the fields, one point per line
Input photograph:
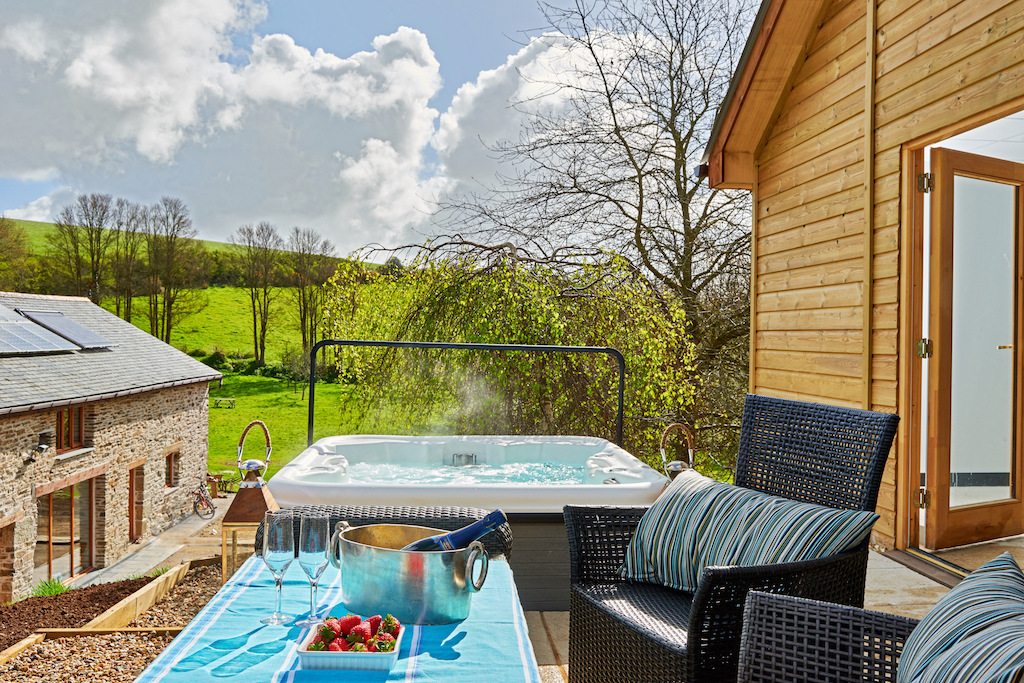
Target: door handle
x=1006 y=346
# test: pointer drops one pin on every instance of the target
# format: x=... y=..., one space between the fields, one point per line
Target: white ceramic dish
x=356 y=661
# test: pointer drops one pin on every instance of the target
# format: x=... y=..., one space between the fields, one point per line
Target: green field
x=284 y=411
x=38 y=232
x=226 y=324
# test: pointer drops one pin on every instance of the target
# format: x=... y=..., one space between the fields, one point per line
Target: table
x=226 y=641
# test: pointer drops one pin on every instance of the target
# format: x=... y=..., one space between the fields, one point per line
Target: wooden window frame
x=172 y=469
x=71 y=530
x=74 y=418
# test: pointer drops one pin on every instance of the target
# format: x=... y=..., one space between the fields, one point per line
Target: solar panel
x=21 y=336
x=55 y=321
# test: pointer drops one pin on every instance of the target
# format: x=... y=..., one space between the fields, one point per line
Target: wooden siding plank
x=818 y=167
x=839 y=364
x=826 y=186
x=837 y=17
x=883 y=392
x=948 y=38
x=835 y=296
x=799 y=111
x=843 y=388
x=834 y=205
x=887 y=239
x=815 y=254
x=851 y=130
x=887 y=264
x=887 y=161
x=887 y=214
x=815 y=398
x=828 y=273
x=1000 y=61
x=819 y=341
x=782 y=140
x=813 y=233
x=886 y=291
x=834 y=45
x=810 y=83
x=884 y=341
x=900 y=18
x=812 y=319
x=885 y=317
x=886 y=187
x=883 y=368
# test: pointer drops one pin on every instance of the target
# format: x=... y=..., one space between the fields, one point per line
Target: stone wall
x=120 y=433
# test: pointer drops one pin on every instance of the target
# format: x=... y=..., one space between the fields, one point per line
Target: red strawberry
x=374 y=622
x=358 y=647
x=371 y=645
x=326 y=633
x=316 y=646
x=334 y=625
x=390 y=625
x=359 y=633
x=335 y=646
x=385 y=642
x=347 y=622
x=345 y=647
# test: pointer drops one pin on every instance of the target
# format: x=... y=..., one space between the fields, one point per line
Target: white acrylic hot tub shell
x=315 y=476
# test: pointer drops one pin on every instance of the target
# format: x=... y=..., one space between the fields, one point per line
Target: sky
x=352 y=118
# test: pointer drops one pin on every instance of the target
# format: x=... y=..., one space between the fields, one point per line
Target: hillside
x=38 y=232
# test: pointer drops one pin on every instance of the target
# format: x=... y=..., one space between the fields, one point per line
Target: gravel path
x=119 y=657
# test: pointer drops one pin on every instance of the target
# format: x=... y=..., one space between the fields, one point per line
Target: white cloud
x=42 y=209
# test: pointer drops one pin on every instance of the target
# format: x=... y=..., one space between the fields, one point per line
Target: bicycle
x=202 y=504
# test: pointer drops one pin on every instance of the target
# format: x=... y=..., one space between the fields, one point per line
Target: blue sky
x=322 y=114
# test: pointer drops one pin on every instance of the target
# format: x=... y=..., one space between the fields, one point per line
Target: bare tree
x=603 y=169
x=14 y=268
x=259 y=250
x=128 y=224
x=175 y=266
x=78 y=246
x=311 y=260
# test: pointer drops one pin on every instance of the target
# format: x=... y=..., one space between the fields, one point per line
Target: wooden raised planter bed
x=115 y=619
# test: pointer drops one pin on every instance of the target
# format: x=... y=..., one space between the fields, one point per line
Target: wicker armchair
x=634 y=631
x=797 y=640
x=497 y=542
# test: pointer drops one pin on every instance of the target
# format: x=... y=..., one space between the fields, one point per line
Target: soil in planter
x=72 y=609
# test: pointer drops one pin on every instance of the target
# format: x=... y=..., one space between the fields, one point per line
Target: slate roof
x=139 y=362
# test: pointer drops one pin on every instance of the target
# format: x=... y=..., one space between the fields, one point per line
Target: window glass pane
x=61 y=532
x=42 y=552
x=67 y=427
x=83 y=525
x=78 y=427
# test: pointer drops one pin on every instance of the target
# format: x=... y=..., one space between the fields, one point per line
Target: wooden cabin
x=883 y=143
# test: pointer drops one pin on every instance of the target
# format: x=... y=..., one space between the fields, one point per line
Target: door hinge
x=925 y=182
x=924 y=499
x=924 y=348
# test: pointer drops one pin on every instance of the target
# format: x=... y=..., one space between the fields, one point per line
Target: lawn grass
x=283 y=410
x=226 y=324
x=38 y=231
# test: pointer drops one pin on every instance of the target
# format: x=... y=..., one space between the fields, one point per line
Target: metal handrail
x=469 y=347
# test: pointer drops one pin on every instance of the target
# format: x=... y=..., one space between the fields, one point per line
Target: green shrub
x=49 y=587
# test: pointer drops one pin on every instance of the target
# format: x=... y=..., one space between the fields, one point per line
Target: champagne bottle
x=460 y=538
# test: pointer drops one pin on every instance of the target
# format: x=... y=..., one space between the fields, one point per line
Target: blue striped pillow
x=698 y=522
x=991 y=595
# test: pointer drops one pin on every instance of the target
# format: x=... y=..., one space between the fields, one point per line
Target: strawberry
x=374 y=622
x=347 y=622
x=335 y=646
x=359 y=633
x=385 y=642
x=334 y=625
x=325 y=633
x=345 y=647
x=371 y=645
x=316 y=646
x=390 y=625
x=358 y=647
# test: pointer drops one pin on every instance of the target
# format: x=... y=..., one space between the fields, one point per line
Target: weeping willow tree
x=507 y=301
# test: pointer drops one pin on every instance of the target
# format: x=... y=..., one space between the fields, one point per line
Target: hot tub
x=519 y=474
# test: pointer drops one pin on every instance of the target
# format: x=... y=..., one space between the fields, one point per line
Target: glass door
x=974 y=426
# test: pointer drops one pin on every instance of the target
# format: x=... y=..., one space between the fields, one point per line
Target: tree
x=603 y=167
x=128 y=224
x=259 y=251
x=14 y=268
x=176 y=266
x=311 y=260
x=79 y=244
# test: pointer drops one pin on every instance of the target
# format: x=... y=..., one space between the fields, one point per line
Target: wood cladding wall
x=820 y=286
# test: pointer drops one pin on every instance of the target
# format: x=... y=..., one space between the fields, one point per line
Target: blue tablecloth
x=226 y=640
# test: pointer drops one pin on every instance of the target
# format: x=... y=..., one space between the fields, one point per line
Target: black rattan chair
x=634 y=631
x=497 y=542
x=800 y=641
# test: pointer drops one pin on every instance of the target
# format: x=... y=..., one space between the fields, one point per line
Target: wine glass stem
x=312 y=598
x=278 y=581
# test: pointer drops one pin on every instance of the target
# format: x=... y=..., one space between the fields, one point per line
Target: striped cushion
x=698 y=522
x=990 y=596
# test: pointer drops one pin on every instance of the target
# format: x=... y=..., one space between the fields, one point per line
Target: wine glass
x=278 y=553
x=313 y=538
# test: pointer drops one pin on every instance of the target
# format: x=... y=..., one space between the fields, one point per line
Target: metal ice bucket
x=416 y=587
